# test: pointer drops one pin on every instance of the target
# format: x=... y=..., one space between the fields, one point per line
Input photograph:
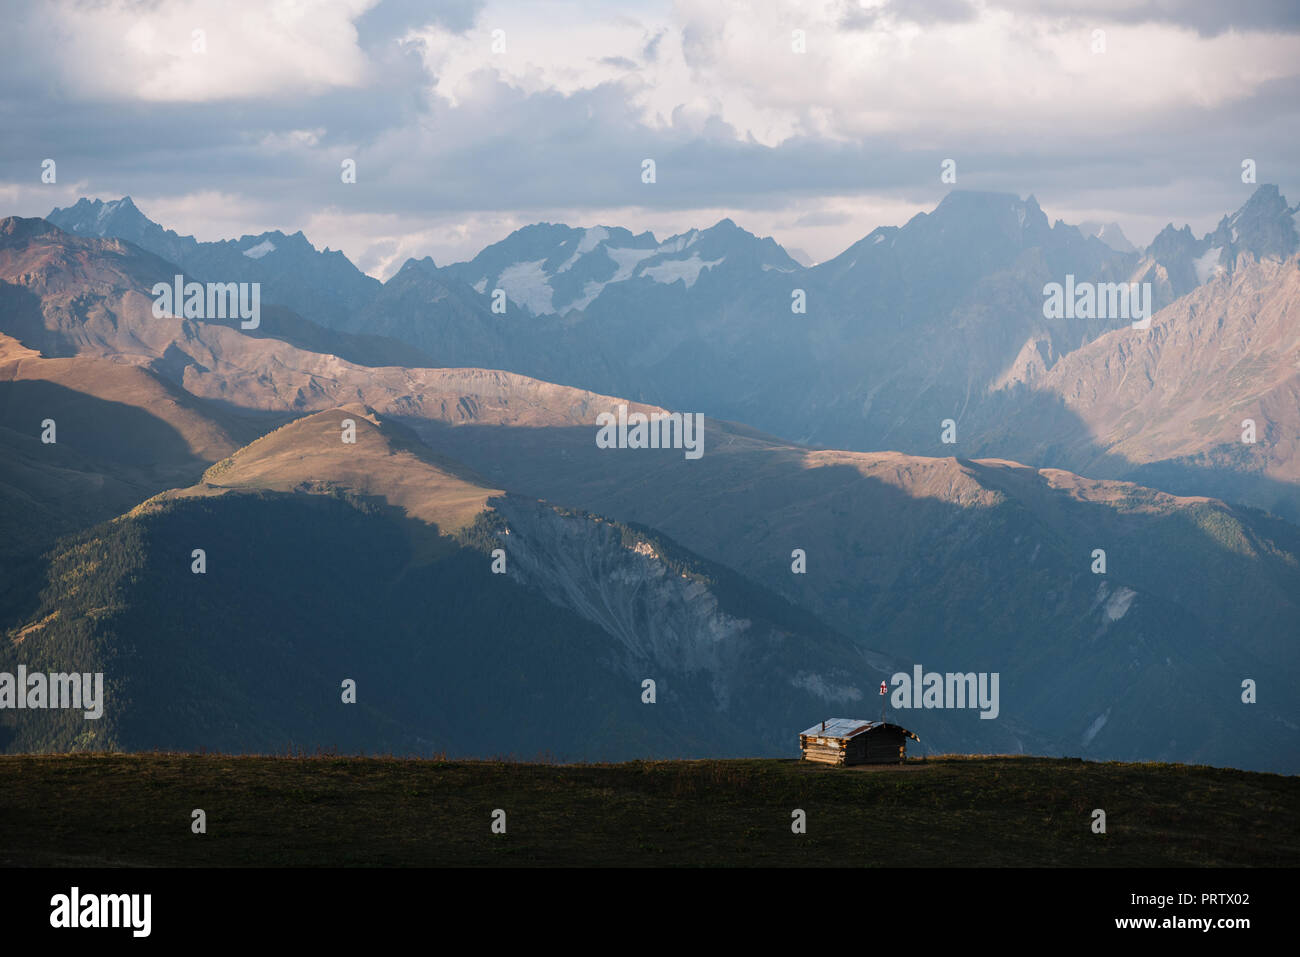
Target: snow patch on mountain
x=1096 y=726
x=591 y=238
x=590 y=291
x=260 y=250
x=627 y=260
x=1118 y=604
x=526 y=284
x=685 y=269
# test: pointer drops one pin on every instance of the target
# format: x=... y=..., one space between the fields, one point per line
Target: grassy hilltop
x=128 y=810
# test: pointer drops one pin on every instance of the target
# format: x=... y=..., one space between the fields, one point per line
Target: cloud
x=650 y=52
x=195 y=51
x=455 y=136
x=1208 y=18
x=390 y=20
x=861 y=16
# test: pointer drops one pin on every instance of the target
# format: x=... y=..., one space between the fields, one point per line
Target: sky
x=812 y=121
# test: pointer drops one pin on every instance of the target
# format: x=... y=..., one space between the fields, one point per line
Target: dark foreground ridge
x=84 y=810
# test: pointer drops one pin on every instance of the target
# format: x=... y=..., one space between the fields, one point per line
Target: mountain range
x=939 y=319
x=474 y=432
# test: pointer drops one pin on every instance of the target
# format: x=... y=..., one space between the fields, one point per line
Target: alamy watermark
x=658 y=430
x=214 y=300
x=1104 y=300
x=950 y=690
x=54 y=690
x=75 y=909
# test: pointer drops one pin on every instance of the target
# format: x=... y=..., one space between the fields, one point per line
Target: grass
x=135 y=810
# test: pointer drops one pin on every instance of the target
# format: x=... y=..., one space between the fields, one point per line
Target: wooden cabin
x=852 y=741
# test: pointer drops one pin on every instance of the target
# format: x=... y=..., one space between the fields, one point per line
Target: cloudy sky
x=469 y=119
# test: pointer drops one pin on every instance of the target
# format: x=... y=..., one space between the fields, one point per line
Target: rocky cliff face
x=723 y=654
x=658 y=615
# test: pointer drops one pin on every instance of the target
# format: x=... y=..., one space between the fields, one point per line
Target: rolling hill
x=373 y=561
x=954 y=564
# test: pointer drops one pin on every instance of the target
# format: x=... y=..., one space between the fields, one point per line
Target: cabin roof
x=851 y=728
